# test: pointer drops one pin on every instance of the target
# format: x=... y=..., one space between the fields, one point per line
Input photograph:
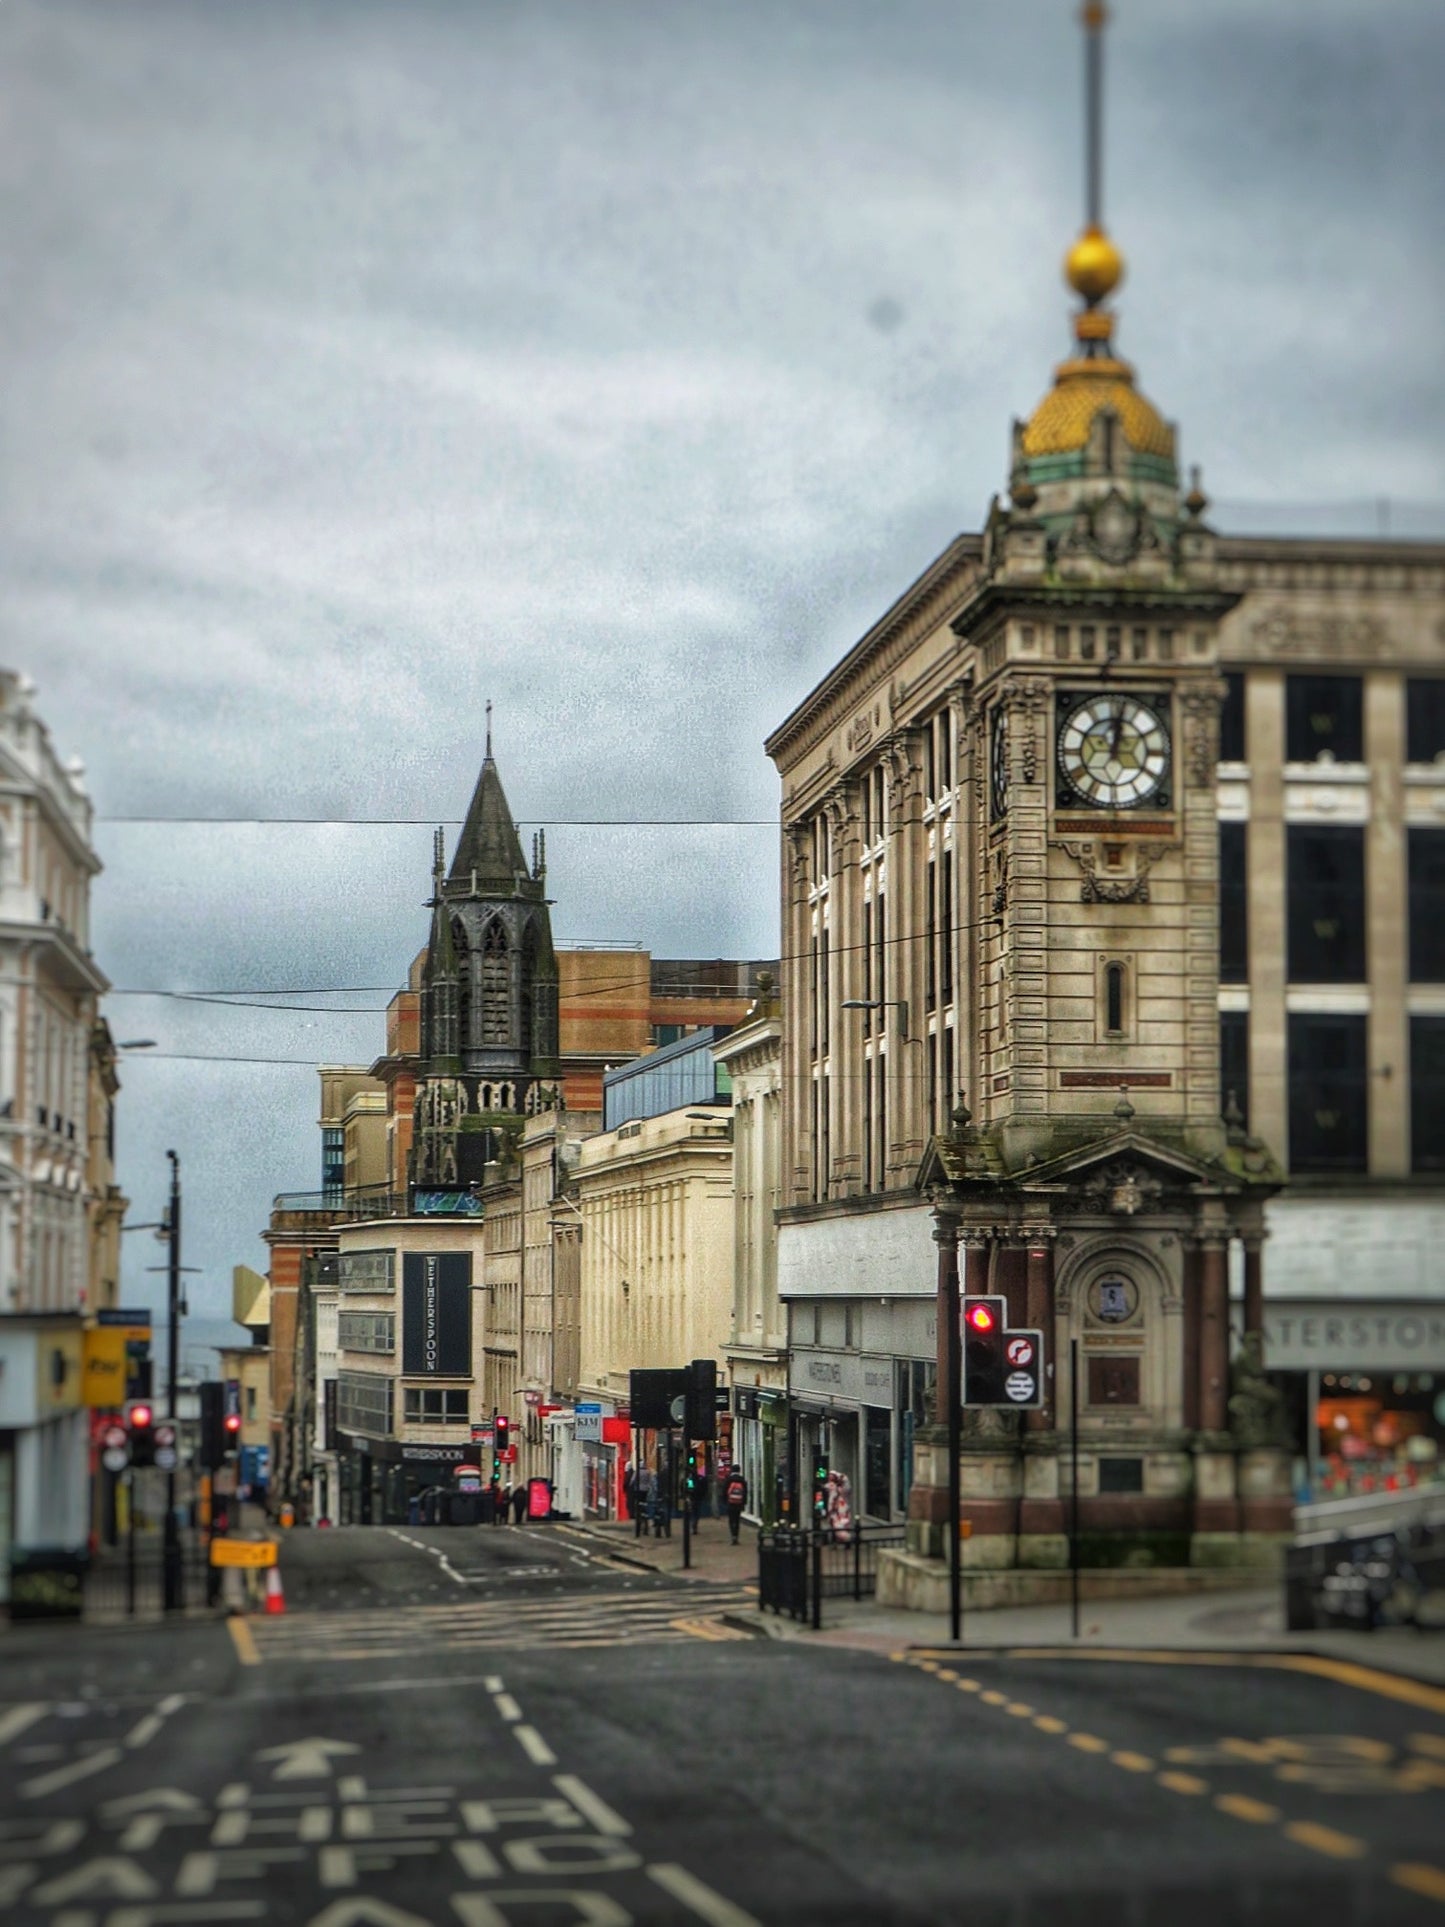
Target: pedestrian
x=500 y=1496
x=519 y=1504
x=735 y=1494
x=629 y=1492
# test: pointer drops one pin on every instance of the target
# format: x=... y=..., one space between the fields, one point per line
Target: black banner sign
x=436 y=1313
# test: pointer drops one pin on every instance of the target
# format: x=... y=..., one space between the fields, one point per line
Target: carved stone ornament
x=1295 y=632
x=1122 y=1189
x=859 y=733
x=1026 y=702
x=1132 y=887
x=1116 y=528
x=1201 y=736
x=998 y=865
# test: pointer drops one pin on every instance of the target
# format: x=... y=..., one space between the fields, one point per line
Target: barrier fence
x=798 y=1570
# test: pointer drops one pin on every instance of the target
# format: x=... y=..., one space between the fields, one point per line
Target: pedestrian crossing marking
x=576 y=1623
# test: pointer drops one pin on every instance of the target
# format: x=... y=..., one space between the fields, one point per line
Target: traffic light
x=700 y=1400
x=984 y=1368
x=820 y=1480
x=502 y=1436
x=232 y=1429
x=140 y=1422
x=213 y=1429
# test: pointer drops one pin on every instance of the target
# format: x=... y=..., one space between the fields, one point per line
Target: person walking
x=519 y=1504
x=735 y=1495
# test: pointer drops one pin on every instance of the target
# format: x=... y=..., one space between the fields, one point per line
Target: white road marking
x=591 y=1806
x=14 y=1721
x=436 y=1553
x=507 y=1706
x=493 y=1682
x=534 y=1746
x=145 y=1729
x=68 y=1775
x=697 y=1895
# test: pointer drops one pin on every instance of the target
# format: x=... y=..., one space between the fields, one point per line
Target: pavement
x=540 y=1727
x=1249 y=1620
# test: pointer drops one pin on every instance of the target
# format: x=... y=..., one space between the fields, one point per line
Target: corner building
x=1011 y=859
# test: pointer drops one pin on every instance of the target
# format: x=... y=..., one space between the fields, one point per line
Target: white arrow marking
x=168 y=1797
x=15 y=1719
x=111 y=1878
x=67 y=1775
x=306 y=1759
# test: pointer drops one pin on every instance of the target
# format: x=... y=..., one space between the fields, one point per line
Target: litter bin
x=47 y=1582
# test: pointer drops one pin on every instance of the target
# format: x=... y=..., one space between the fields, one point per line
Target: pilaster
x=1387 y=928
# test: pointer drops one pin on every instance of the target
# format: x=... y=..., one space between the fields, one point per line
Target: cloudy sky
x=617 y=360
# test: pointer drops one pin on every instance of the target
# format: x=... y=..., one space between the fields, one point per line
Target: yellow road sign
x=243 y=1552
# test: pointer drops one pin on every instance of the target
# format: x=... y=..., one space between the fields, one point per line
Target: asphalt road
x=498 y=1729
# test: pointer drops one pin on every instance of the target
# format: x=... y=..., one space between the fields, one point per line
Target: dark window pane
x=1234 y=1060
x=1427 y=1094
x=1424 y=718
x=1113 y=1381
x=1324 y=714
x=1233 y=902
x=1427 y=906
x=1231 y=720
x=1326 y=905
x=1121 y=1475
x=1328 y=1094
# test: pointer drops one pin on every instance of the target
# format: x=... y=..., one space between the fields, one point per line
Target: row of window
x=1325 y=716
x=1325 y=911
x=1329 y=1089
x=365 y=1402
x=366 y=1331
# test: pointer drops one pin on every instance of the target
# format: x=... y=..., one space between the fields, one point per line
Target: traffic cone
x=275 y=1598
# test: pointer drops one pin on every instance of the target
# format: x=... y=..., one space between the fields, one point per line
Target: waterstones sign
x=1328 y=1336
x=436 y=1314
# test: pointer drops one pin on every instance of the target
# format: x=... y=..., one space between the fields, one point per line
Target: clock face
x=998 y=762
x=1114 y=751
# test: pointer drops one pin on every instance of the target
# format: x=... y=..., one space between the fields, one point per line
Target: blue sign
x=255 y=1467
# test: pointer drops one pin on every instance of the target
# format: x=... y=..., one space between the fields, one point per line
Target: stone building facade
x=1042 y=854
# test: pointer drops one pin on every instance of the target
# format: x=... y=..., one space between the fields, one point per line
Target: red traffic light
x=980 y=1318
x=139 y=1418
x=233 y=1422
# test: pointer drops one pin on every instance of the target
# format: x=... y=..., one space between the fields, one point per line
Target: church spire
x=488 y=857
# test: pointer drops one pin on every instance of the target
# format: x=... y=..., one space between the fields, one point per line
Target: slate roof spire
x=488 y=859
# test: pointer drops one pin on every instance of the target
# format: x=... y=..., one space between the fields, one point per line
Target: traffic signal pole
x=172 y=1554
x=948 y=1313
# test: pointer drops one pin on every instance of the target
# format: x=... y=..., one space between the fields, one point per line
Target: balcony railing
x=343 y=1207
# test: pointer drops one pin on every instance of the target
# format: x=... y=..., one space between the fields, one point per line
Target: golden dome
x=1082 y=389
x=1093 y=266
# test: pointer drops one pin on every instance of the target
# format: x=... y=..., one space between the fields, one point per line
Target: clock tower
x=1093 y=1176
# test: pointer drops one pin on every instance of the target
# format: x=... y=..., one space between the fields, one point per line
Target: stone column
x=1265 y=900
x=1010 y=1276
x=1253 y=1282
x=1191 y=1335
x=1213 y=1333
x=1040 y=1317
x=1387 y=928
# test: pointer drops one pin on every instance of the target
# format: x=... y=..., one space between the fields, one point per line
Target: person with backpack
x=735 y=1496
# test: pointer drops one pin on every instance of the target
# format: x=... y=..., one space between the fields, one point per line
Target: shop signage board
x=436 y=1313
x=1329 y=1336
x=103 y=1367
x=589 y=1422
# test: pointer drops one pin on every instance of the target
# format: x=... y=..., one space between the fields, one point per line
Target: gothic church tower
x=489 y=994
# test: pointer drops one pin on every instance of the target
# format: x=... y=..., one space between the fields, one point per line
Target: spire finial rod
x=1095 y=17
x=489 y=726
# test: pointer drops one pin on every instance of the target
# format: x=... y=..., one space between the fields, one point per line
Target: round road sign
x=165 y=1435
x=114 y=1438
x=678 y=1408
x=1019 y=1386
x=115 y=1458
x=166 y=1457
x=1020 y=1351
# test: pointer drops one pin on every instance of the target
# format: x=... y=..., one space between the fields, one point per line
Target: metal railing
x=798 y=1570
x=344 y=1206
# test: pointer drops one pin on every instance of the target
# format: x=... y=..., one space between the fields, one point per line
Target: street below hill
x=507 y=1728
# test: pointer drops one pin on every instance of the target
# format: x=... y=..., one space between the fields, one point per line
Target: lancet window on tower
x=496 y=985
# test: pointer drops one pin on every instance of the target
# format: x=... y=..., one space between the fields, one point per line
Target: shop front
x=760 y=1446
x=379 y=1478
x=1364 y=1387
x=845 y=1421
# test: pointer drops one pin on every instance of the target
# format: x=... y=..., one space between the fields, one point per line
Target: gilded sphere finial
x=1093 y=266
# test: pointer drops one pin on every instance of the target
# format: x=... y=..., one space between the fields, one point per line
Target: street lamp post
x=900 y=1004
x=172 y=1569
